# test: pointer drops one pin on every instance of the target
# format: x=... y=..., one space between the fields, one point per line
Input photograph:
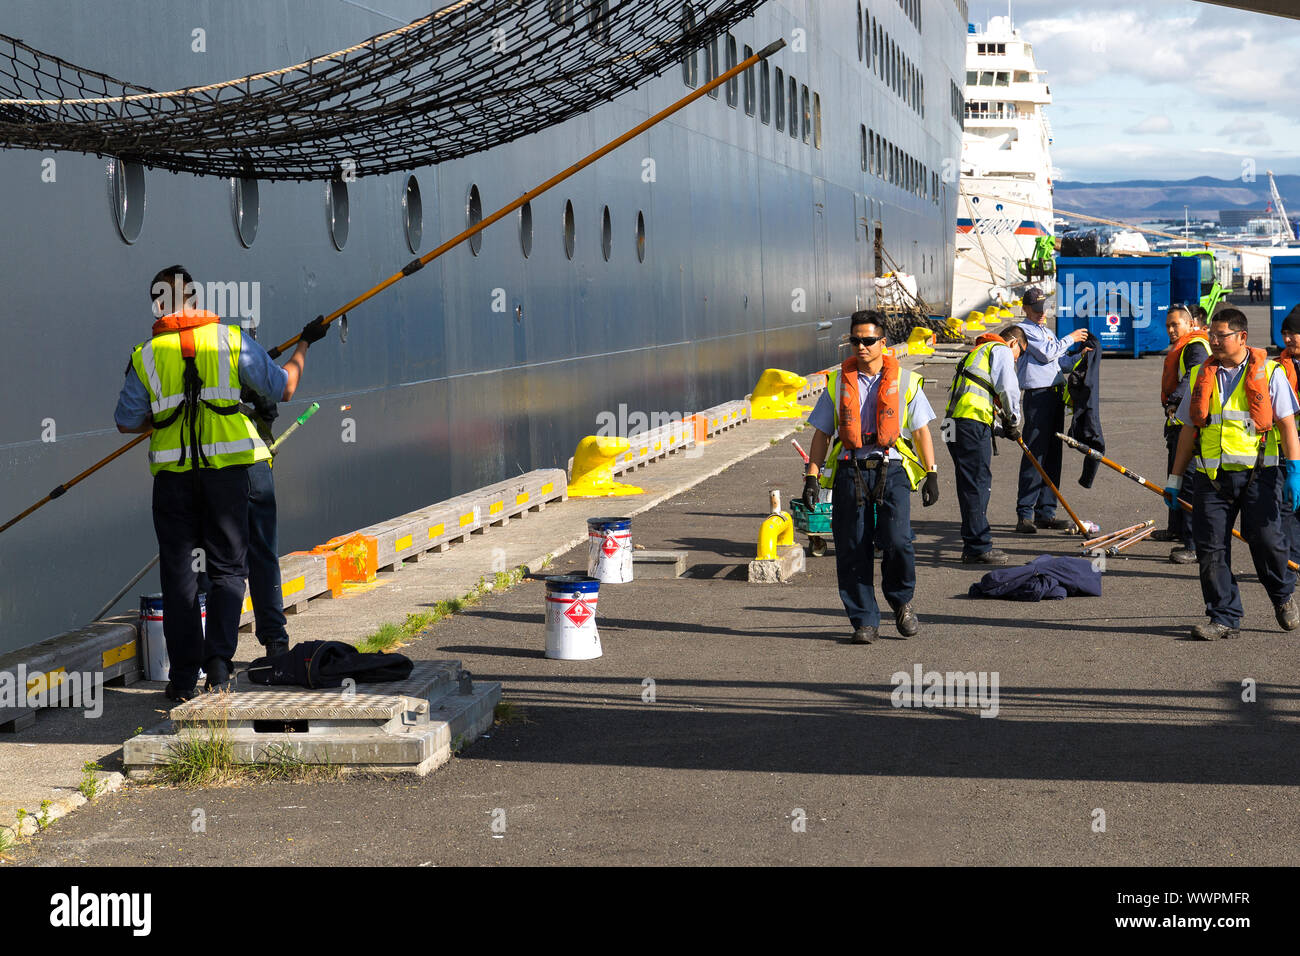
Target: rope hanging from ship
x=472 y=75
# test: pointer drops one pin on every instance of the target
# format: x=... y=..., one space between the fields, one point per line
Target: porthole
x=336 y=208
x=126 y=197
x=569 y=229
x=640 y=237
x=246 y=208
x=473 y=216
x=606 y=234
x=412 y=214
x=526 y=229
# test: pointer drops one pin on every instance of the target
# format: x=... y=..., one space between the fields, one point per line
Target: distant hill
x=1150 y=198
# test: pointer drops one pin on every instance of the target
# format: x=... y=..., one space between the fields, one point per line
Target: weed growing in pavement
x=89 y=785
x=204 y=756
x=43 y=819
x=390 y=635
x=8 y=840
x=508 y=712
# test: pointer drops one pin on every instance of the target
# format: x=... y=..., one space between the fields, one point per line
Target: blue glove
x=1291 y=490
x=1173 y=484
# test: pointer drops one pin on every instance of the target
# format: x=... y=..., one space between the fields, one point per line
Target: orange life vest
x=1256 y=383
x=185 y=322
x=887 y=420
x=1287 y=360
x=990 y=337
x=1169 y=380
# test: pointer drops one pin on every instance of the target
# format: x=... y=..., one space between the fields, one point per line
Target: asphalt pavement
x=732 y=723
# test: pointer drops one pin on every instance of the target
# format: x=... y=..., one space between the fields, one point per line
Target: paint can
x=153 y=644
x=571 y=617
x=609 y=550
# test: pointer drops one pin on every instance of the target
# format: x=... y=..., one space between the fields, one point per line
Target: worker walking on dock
x=985 y=378
x=1040 y=370
x=1189 y=346
x=1240 y=430
x=1290 y=362
x=877 y=413
x=184 y=385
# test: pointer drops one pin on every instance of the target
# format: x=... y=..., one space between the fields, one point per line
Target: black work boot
x=1052 y=524
x=1288 y=615
x=219 y=674
x=276 y=648
x=1214 y=632
x=991 y=556
x=905 y=620
x=863 y=635
x=1182 y=556
x=1025 y=526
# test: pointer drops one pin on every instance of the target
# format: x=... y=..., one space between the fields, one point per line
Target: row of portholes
x=127 y=197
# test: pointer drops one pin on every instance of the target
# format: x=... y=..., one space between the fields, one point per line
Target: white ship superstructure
x=1005 y=200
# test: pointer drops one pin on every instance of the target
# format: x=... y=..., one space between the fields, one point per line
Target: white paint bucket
x=152 y=642
x=609 y=550
x=571 y=617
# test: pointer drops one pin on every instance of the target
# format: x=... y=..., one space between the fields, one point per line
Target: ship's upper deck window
x=563 y=12
x=690 y=63
x=764 y=93
x=598 y=20
x=817 y=120
x=859 y=31
x=749 y=83
x=733 y=88
x=807 y=114
x=794 y=108
x=711 y=71
x=991 y=49
x=862 y=136
x=780 y=100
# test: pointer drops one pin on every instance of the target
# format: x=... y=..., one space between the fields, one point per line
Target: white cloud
x=1155 y=124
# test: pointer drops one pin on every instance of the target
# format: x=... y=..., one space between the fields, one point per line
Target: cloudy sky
x=1163 y=89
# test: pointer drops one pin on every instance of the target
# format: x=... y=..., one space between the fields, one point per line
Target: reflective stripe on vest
x=967 y=398
x=909 y=384
x=1203 y=338
x=1228 y=439
x=223 y=439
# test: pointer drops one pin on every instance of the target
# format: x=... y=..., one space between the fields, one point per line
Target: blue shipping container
x=1284 y=291
x=1122 y=300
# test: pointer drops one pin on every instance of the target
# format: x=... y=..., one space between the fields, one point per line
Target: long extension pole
x=1134 y=476
x=1082 y=528
x=415 y=265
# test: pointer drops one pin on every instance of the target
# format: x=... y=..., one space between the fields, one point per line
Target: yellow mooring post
x=777 y=395
x=593 y=469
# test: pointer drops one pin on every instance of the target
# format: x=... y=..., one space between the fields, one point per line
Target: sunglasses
x=865 y=340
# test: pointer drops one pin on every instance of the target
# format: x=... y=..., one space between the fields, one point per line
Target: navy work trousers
x=207 y=509
x=860 y=532
x=1216 y=512
x=972 y=457
x=1180 y=521
x=263 y=556
x=1044 y=416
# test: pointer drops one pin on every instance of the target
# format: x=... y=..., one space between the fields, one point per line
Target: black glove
x=930 y=489
x=314 y=331
x=1010 y=430
x=811 y=492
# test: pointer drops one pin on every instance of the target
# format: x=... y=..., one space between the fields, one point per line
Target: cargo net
x=902 y=309
x=469 y=76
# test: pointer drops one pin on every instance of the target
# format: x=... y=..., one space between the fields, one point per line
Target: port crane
x=1279 y=210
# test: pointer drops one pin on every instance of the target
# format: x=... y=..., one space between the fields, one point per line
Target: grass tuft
x=508 y=712
x=389 y=636
x=89 y=785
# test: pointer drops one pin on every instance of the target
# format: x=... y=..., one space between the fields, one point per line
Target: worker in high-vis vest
x=872 y=419
x=183 y=385
x=1239 y=430
x=1189 y=346
x=1290 y=362
x=984 y=389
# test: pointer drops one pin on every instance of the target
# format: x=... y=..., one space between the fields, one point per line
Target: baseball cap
x=1292 y=322
x=1033 y=298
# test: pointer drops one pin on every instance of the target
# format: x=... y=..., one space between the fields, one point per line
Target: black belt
x=870 y=464
x=1043 y=388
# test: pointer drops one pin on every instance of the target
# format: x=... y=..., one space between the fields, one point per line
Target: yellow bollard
x=975 y=322
x=775 y=530
x=920 y=342
x=1005 y=313
x=777 y=395
x=956 y=325
x=593 y=469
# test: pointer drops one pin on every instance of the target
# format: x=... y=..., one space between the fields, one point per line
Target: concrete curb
x=105 y=782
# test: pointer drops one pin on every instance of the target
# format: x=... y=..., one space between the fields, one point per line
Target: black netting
x=468 y=77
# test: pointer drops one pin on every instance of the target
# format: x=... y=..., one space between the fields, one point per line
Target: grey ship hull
x=446 y=393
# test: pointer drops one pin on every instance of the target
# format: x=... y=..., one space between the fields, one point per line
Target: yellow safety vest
x=1204 y=339
x=910 y=383
x=967 y=398
x=225 y=438
x=1229 y=439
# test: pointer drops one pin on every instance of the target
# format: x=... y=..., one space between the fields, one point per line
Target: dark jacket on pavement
x=1046 y=578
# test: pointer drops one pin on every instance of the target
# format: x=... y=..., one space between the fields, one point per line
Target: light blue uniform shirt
x=822 y=418
x=1005 y=381
x=1279 y=391
x=257 y=370
x=1042 y=363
